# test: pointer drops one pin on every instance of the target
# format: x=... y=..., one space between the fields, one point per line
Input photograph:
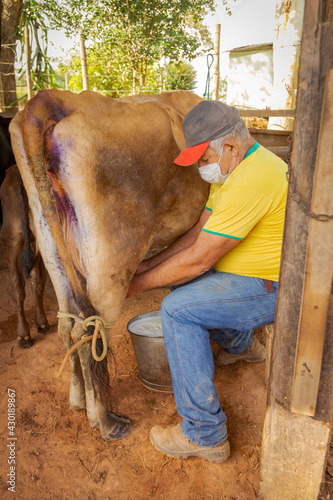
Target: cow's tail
x=28 y=258
x=39 y=118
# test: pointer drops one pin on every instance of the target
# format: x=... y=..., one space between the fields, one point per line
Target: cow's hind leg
x=77 y=397
x=18 y=285
x=38 y=279
x=12 y=244
x=12 y=253
x=111 y=426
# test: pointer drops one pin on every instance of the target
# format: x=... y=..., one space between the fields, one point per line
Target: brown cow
x=23 y=258
x=104 y=191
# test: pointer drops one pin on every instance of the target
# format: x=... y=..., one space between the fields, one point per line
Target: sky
x=252 y=22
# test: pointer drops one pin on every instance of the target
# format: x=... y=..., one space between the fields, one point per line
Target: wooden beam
x=318 y=272
x=271 y=138
x=263 y=113
x=266 y=131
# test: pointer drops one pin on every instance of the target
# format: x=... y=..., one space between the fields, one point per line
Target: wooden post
x=84 y=62
x=318 y=272
x=28 y=56
x=295 y=444
x=216 y=76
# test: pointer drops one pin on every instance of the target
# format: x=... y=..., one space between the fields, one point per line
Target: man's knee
x=174 y=305
x=167 y=305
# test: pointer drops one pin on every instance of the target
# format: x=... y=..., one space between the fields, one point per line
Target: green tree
x=141 y=32
x=108 y=73
x=138 y=34
x=180 y=76
x=42 y=72
x=108 y=77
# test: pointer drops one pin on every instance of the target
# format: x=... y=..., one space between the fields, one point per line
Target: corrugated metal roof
x=253 y=48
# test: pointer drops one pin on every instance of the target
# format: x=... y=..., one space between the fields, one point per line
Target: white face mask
x=212 y=173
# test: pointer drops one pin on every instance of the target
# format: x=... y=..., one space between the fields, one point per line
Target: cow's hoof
x=119 y=431
x=93 y=424
x=77 y=406
x=115 y=417
x=120 y=418
x=43 y=328
x=25 y=342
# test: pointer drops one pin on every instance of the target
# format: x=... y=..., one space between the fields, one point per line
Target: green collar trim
x=254 y=148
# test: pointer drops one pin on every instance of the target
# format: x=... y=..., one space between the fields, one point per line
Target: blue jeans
x=219 y=306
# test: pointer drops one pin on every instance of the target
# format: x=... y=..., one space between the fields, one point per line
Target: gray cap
x=207 y=121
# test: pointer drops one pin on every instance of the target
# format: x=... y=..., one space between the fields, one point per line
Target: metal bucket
x=148 y=343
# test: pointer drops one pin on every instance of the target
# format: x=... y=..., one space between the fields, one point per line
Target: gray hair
x=240 y=132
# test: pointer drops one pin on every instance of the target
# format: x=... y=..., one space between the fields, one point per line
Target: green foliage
x=133 y=40
x=108 y=76
x=105 y=74
x=138 y=33
x=180 y=76
x=223 y=87
x=42 y=72
x=227 y=3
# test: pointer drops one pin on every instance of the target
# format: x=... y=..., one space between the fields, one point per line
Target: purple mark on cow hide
x=63 y=203
x=45 y=98
x=53 y=153
x=59 y=114
x=52 y=150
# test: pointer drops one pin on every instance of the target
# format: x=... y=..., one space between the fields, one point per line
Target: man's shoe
x=255 y=353
x=173 y=443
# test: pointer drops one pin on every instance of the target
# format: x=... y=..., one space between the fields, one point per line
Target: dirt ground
x=58 y=455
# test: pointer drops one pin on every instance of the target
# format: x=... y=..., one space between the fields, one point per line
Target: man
x=240 y=234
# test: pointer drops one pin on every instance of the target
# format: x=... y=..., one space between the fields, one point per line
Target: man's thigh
x=223 y=300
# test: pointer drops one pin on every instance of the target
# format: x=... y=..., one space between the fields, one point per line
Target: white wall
x=250 y=78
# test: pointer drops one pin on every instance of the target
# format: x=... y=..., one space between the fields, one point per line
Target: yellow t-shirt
x=250 y=206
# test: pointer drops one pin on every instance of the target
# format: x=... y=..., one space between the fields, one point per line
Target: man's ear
x=233 y=145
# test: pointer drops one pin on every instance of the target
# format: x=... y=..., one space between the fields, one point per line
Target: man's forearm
x=182 y=243
x=180 y=268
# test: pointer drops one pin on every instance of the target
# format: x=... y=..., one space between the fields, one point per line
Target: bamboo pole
x=85 y=78
x=216 y=76
x=28 y=56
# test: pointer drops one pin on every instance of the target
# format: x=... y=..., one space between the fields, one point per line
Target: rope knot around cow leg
x=100 y=325
x=99 y=332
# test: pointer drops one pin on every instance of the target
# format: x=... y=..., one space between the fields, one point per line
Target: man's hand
x=142 y=268
x=134 y=287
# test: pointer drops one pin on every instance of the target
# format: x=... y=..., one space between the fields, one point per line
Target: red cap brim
x=190 y=155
